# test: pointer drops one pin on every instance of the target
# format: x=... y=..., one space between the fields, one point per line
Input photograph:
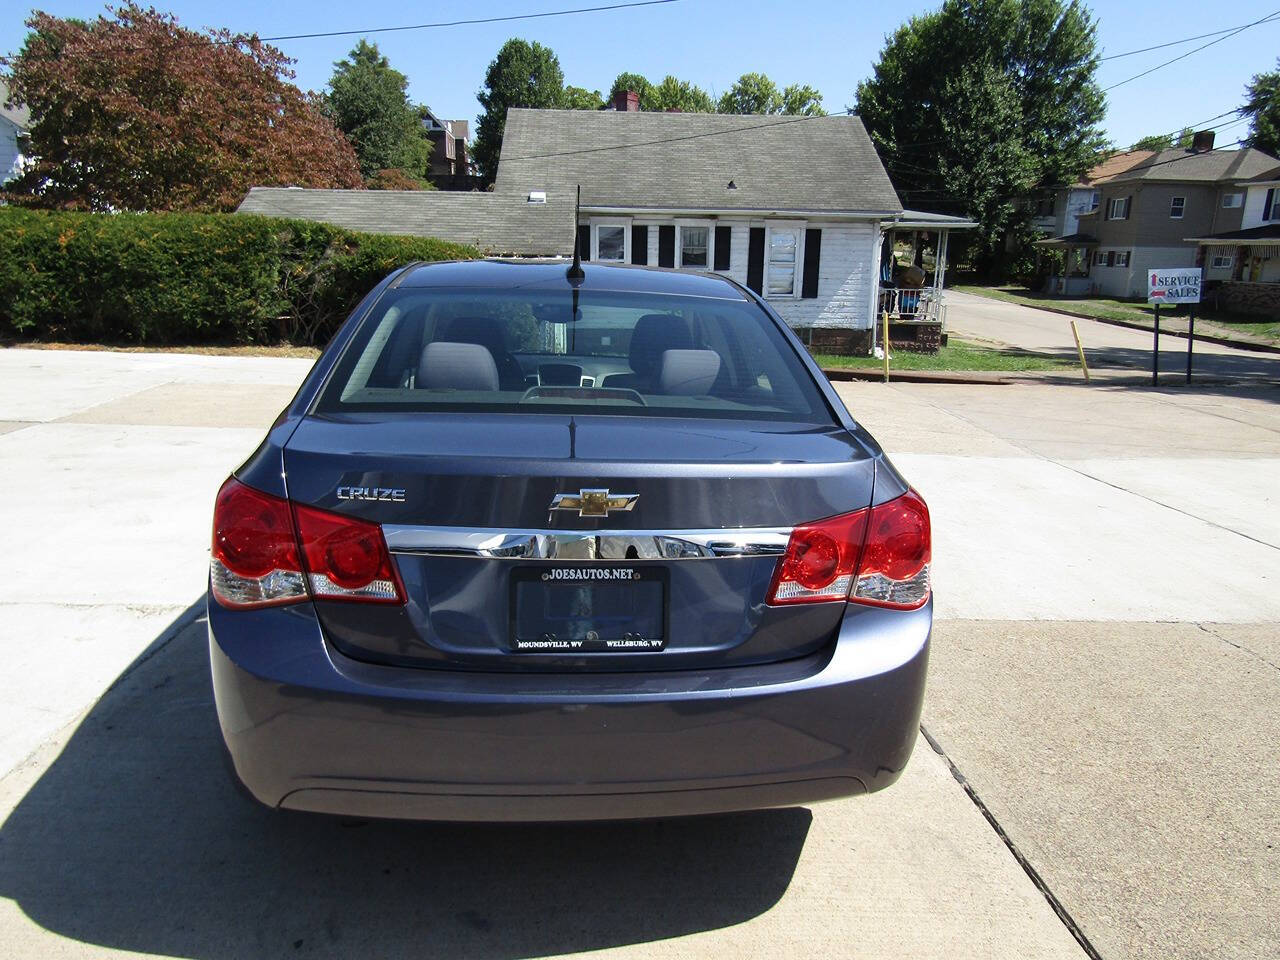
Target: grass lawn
x=1134 y=312
x=956 y=355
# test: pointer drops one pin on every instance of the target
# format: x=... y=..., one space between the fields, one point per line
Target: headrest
x=688 y=373
x=457 y=366
x=654 y=333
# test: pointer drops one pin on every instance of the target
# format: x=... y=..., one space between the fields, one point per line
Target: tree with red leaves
x=133 y=112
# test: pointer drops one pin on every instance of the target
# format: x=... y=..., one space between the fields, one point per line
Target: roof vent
x=732 y=186
x=537 y=196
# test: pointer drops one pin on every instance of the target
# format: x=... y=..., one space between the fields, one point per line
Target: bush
x=168 y=278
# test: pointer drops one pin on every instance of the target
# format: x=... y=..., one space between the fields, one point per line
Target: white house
x=793 y=208
x=14 y=122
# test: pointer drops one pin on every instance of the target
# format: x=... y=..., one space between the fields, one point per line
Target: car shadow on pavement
x=135 y=838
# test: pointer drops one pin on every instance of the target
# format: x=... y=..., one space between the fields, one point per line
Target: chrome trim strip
x=586 y=544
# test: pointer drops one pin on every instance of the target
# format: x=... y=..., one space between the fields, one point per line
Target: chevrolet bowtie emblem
x=594 y=503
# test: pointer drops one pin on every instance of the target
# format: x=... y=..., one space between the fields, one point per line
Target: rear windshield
x=619 y=353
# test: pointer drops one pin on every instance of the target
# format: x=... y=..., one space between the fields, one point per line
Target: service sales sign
x=1173 y=285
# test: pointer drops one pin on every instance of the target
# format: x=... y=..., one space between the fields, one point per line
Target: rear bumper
x=309 y=729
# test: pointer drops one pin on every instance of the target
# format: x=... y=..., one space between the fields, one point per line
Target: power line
x=455 y=23
x=1161 y=66
x=1174 y=43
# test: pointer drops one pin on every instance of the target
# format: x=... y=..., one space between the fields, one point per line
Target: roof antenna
x=575 y=271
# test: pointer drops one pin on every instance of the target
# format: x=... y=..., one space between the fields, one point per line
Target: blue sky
x=828 y=44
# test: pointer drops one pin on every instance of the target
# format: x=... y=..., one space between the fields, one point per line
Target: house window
x=782 y=257
x=1094 y=200
x=1177 y=207
x=1232 y=200
x=1118 y=208
x=1122 y=258
x=610 y=242
x=694 y=245
x=1098 y=257
x=1271 y=209
x=1223 y=263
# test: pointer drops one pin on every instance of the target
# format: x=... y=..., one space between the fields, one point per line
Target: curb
x=913 y=376
x=1218 y=339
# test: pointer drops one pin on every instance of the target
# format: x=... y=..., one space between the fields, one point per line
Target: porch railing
x=907 y=305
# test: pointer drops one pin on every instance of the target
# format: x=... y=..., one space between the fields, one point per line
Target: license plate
x=588 y=609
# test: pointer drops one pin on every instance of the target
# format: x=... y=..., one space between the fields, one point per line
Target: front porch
x=911 y=292
x=1070 y=278
x=1242 y=271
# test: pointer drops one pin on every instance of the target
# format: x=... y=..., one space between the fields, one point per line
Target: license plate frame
x=593 y=577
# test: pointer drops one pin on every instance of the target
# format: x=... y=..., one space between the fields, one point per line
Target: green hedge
x=164 y=278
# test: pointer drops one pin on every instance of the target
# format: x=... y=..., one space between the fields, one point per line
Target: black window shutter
x=1111 y=258
x=667 y=245
x=584 y=242
x=1271 y=199
x=640 y=245
x=724 y=241
x=812 y=257
x=755 y=260
x=1128 y=206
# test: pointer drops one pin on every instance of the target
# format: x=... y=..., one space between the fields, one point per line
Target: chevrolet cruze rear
x=526 y=547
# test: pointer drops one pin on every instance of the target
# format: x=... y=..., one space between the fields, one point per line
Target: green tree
x=802 y=101
x=1165 y=141
x=1262 y=107
x=945 y=77
x=580 y=98
x=368 y=102
x=756 y=93
x=133 y=112
x=675 y=94
x=751 y=93
x=523 y=74
x=637 y=84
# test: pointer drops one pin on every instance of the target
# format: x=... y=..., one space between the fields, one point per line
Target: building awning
x=1070 y=240
x=923 y=220
x=1268 y=236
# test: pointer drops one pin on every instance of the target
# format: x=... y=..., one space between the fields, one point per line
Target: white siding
x=844 y=280
x=846 y=270
x=1079 y=201
x=10 y=157
x=1254 y=202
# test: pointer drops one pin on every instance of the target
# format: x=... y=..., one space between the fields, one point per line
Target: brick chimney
x=626 y=101
x=1202 y=141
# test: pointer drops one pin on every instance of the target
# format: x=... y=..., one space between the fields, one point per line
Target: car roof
x=495 y=274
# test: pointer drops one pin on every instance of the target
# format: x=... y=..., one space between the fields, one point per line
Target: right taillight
x=256 y=560
x=894 y=569
x=877 y=556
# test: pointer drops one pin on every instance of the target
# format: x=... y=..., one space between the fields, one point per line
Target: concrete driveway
x=1104 y=669
x=1106 y=345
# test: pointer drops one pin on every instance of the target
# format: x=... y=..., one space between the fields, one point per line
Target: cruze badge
x=385 y=494
x=594 y=503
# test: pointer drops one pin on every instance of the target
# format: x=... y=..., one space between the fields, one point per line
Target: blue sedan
x=536 y=544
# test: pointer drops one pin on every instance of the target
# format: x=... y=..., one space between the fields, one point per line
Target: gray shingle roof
x=685 y=161
x=19 y=116
x=1210 y=166
x=499 y=225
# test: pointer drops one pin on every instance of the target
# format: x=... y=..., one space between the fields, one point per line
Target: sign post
x=1172 y=285
x=1191 y=338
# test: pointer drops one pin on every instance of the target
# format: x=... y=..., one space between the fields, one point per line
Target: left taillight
x=254 y=560
x=267 y=551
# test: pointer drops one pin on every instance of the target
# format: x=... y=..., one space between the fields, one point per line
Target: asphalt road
x=1107 y=346
x=1103 y=677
